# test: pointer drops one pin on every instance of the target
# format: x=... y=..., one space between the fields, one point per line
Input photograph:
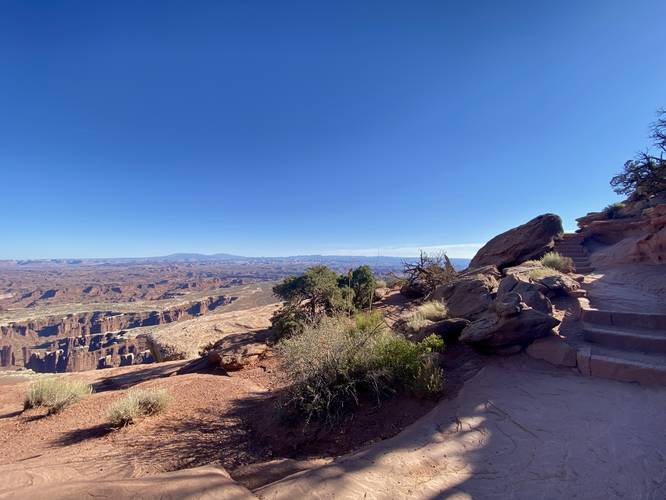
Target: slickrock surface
x=519 y=429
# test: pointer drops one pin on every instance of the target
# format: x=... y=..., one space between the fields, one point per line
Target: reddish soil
x=230 y=420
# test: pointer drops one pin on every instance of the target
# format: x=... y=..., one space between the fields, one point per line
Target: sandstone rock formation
x=640 y=237
x=236 y=351
x=529 y=241
x=470 y=294
x=505 y=327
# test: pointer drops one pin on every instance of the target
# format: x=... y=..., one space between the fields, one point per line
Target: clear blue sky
x=275 y=128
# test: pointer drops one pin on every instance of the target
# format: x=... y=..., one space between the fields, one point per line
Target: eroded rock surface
x=529 y=241
x=470 y=294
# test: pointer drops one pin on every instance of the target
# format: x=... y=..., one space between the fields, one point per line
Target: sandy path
x=519 y=429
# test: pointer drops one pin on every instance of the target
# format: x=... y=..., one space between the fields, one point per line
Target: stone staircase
x=627 y=346
x=621 y=345
x=571 y=245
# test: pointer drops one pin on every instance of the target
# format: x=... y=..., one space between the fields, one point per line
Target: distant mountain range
x=383 y=261
x=334 y=260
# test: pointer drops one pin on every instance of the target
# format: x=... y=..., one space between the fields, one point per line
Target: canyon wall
x=85 y=341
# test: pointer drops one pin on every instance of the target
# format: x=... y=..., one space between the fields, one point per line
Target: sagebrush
x=136 y=404
x=55 y=393
x=333 y=363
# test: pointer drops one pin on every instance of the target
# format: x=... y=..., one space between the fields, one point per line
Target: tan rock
x=554 y=350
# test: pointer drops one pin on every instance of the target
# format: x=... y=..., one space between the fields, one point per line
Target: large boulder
x=550 y=285
x=237 y=350
x=448 y=329
x=470 y=294
x=532 y=294
x=529 y=241
x=495 y=331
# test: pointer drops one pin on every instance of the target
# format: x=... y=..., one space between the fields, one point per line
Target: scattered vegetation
x=429 y=272
x=645 y=175
x=55 y=393
x=614 y=211
x=381 y=284
x=336 y=361
x=137 y=403
x=558 y=262
x=318 y=292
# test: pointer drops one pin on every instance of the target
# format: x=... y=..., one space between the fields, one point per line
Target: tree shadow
x=79 y=435
x=127 y=380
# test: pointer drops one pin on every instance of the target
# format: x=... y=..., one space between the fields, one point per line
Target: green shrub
x=137 y=403
x=332 y=363
x=433 y=343
x=558 y=262
x=289 y=320
x=55 y=393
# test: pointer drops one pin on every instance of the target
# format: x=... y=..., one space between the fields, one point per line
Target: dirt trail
x=519 y=429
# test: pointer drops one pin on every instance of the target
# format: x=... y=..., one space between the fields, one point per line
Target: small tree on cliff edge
x=645 y=176
x=318 y=292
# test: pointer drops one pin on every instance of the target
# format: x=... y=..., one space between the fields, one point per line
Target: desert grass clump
x=336 y=361
x=542 y=272
x=433 y=310
x=136 y=404
x=55 y=393
x=423 y=315
x=558 y=262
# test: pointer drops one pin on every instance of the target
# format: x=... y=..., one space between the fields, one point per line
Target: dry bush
x=333 y=362
x=429 y=272
x=55 y=393
x=541 y=272
x=558 y=262
x=138 y=403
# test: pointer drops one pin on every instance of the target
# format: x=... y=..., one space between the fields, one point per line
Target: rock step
x=569 y=245
x=574 y=255
x=626 y=366
x=630 y=320
x=649 y=341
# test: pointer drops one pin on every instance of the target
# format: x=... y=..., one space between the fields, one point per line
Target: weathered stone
x=530 y=292
x=236 y=351
x=529 y=241
x=470 y=294
x=509 y=304
x=554 y=350
x=558 y=285
x=448 y=329
x=493 y=331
